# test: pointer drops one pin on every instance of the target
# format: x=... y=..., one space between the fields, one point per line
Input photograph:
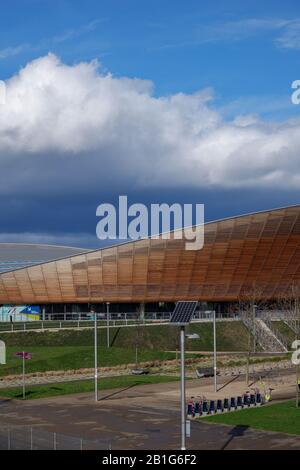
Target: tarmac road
x=143 y=417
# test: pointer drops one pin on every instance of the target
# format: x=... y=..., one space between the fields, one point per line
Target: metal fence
x=115 y=319
x=32 y=438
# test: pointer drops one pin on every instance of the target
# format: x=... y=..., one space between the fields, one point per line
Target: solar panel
x=183 y=312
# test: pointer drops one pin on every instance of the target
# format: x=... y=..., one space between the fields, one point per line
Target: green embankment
x=73 y=349
x=43 y=391
x=232 y=336
x=46 y=358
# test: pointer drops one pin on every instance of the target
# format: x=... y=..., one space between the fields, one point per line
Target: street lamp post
x=96 y=356
x=215 y=353
x=254 y=328
x=23 y=370
x=182 y=315
x=107 y=324
x=182 y=387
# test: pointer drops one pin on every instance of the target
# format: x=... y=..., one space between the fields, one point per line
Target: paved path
x=143 y=417
x=276 y=375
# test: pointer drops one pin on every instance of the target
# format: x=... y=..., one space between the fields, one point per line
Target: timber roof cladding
x=261 y=248
x=20 y=255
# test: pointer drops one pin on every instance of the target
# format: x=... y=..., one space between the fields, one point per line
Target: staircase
x=266 y=336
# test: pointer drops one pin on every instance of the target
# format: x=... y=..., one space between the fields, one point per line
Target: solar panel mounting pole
x=107 y=324
x=23 y=369
x=182 y=315
x=182 y=387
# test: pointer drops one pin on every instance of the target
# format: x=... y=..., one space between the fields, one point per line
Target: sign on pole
x=25 y=357
x=2 y=352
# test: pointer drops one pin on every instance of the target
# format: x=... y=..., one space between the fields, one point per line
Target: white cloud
x=71 y=129
x=12 y=51
x=79 y=240
x=47 y=43
x=286 y=32
x=237 y=30
x=290 y=37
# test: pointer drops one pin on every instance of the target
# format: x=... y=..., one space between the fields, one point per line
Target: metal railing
x=116 y=319
x=283 y=340
x=32 y=438
x=263 y=334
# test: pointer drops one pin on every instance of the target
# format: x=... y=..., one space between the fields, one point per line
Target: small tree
x=251 y=301
x=289 y=304
x=139 y=332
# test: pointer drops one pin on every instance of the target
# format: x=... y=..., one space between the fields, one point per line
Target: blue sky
x=235 y=47
x=242 y=56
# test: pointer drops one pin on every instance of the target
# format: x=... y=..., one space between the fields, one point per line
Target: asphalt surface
x=142 y=417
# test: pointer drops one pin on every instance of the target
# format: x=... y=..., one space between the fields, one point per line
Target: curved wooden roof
x=261 y=248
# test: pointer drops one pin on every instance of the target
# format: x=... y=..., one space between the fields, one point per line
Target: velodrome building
x=262 y=248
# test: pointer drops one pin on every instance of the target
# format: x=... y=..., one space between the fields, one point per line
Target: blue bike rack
x=258 y=399
x=226 y=404
x=239 y=403
x=190 y=409
x=219 y=406
x=212 y=408
x=204 y=408
x=232 y=403
x=197 y=409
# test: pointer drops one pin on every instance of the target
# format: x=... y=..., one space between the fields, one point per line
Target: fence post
x=24 y=326
x=31 y=439
x=54 y=441
x=60 y=324
x=12 y=327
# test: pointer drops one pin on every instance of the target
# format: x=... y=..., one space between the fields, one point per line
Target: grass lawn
x=73 y=349
x=43 y=391
x=280 y=417
x=46 y=358
x=232 y=336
